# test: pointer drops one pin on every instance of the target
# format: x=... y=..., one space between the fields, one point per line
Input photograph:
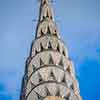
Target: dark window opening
x=44 y=2
x=63 y=80
x=41 y=62
x=32 y=85
x=41 y=47
x=55 y=33
x=40 y=78
x=36 y=52
x=47 y=15
x=58 y=92
x=51 y=60
x=68 y=69
x=42 y=33
x=43 y=17
x=63 y=53
x=58 y=48
x=50 y=17
x=47 y=92
x=72 y=86
x=48 y=30
x=34 y=69
x=61 y=62
x=67 y=97
x=49 y=45
x=52 y=75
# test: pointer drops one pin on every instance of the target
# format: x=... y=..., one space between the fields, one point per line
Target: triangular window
x=32 y=85
x=55 y=33
x=47 y=15
x=51 y=60
x=41 y=62
x=34 y=68
x=52 y=76
x=63 y=80
x=41 y=47
x=49 y=45
x=61 y=62
x=48 y=92
x=58 y=92
x=39 y=97
x=58 y=48
x=40 y=77
x=63 y=53
x=68 y=69
x=48 y=30
x=72 y=86
x=42 y=33
x=36 y=52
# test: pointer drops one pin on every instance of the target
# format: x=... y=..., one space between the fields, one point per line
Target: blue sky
x=79 y=27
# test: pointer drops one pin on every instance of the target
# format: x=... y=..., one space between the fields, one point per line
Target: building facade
x=49 y=73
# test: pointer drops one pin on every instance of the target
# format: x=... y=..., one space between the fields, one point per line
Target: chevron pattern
x=50 y=72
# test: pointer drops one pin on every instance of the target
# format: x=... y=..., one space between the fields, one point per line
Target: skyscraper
x=49 y=73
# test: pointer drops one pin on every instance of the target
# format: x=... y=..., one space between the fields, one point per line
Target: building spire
x=49 y=73
x=45 y=10
x=46 y=20
x=45 y=1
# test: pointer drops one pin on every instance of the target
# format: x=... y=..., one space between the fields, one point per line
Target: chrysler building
x=49 y=73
